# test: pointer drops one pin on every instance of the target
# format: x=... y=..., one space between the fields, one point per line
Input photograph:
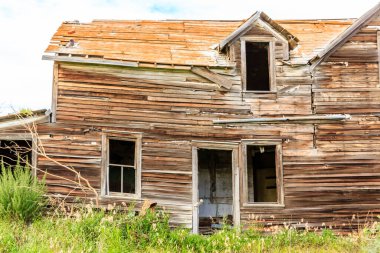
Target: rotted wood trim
x=87 y=60
x=295 y=119
x=378 y=55
x=238 y=32
x=195 y=194
x=104 y=164
x=236 y=187
x=135 y=64
x=54 y=93
x=222 y=82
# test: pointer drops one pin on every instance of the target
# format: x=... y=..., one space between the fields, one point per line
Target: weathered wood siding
x=348 y=165
x=330 y=171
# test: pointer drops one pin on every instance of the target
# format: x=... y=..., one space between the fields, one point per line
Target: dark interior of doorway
x=215 y=189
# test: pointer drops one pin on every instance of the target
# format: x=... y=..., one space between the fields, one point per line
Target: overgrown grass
x=21 y=194
x=85 y=230
x=88 y=231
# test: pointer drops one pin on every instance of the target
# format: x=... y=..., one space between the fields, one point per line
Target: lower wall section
x=331 y=177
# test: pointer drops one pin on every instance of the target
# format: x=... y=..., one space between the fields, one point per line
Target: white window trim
x=279 y=173
x=271 y=62
x=137 y=139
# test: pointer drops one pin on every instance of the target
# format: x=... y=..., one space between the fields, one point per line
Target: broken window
x=15 y=151
x=121 y=166
x=257 y=66
x=262 y=174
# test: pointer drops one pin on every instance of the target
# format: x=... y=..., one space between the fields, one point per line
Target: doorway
x=215 y=188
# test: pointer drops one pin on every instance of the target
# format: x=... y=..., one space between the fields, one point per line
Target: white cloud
x=27 y=25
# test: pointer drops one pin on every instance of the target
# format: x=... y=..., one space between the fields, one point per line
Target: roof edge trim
x=292 y=40
x=14 y=120
x=344 y=36
x=135 y=64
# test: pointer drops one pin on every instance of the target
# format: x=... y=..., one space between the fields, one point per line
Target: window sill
x=264 y=205
x=259 y=92
x=121 y=196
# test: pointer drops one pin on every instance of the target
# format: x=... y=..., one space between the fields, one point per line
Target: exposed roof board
x=177 y=42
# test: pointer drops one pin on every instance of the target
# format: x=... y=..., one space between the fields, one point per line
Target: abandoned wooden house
x=255 y=120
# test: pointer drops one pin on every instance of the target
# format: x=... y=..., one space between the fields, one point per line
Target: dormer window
x=258 y=65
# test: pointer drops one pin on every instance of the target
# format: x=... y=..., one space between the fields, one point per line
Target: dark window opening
x=15 y=151
x=261 y=173
x=257 y=66
x=215 y=189
x=122 y=170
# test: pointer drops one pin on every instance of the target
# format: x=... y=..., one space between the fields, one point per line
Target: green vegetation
x=25 y=112
x=82 y=229
x=21 y=194
x=87 y=231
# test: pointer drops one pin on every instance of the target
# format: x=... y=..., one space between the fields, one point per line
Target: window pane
x=122 y=152
x=257 y=66
x=261 y=173
x=114 y=179
x=129 y=180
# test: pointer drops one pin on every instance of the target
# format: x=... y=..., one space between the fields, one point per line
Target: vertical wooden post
x=243 y=68
x=34 y=154
x=235 y=187
x=272 y=65
x=54 y=93
x=104 y=164
x=138 y=164
x=378 y=56
x=195 y=208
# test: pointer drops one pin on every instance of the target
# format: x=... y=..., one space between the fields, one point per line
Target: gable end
x=262 y=20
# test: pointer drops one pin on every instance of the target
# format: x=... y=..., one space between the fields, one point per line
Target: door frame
x=231 y=146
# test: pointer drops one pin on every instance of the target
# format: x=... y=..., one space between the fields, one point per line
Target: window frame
x=132 y=137
x=34 y=148
x=216 y=145
x=279 y=173
x=271 y=62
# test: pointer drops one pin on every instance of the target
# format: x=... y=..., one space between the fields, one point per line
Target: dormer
x=255 y=46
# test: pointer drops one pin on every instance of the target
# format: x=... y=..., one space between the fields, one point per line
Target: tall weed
x=101 y=231
x=21 y=194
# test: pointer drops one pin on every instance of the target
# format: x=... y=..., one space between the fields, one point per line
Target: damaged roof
x=23 y=118
x=178 y=42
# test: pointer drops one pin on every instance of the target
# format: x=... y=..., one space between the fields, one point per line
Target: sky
x=26 y=27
